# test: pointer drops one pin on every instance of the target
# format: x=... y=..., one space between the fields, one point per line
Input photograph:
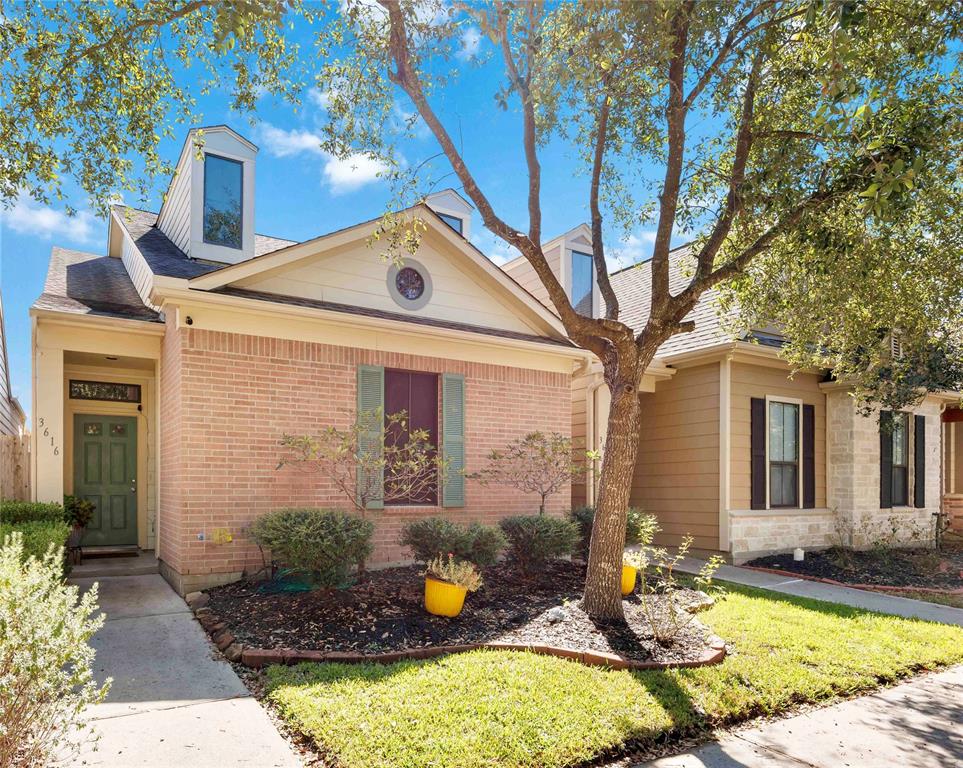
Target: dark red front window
x=417 y=395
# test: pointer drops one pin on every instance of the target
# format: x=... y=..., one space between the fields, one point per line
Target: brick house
x=167 y=371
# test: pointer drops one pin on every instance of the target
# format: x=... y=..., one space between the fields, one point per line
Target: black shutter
x=757 y=412
x=919 y=461
x=885 y=459
x=809 y=456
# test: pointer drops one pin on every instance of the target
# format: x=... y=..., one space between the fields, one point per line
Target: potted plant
x=447 y=581
x=632 y=563
x=77 y=513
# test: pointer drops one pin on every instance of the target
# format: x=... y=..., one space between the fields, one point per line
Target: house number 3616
x=41 y=423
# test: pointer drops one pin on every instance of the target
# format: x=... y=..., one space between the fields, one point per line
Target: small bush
x=46 y=679
x=433 y=536
x=37 y=536
x=323 y=542
x=30 y=512
x=533 y=540
x=458 y=572
x=78 y=512
x=639 y=527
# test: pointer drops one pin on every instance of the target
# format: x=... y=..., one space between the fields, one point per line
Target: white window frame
x=570 y=257
x=799 y=449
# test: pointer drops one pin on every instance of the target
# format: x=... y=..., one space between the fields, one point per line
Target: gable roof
x=86 y=284
x=633 y=288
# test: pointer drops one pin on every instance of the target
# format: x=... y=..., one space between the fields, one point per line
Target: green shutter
x=371 y=396
x=453 y=438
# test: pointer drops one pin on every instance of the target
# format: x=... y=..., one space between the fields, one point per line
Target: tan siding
x=579 y=431
x=750 y=381
x=524 y=274
x=677 y=473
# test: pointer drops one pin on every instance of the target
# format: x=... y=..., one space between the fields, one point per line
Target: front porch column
x=48 y=423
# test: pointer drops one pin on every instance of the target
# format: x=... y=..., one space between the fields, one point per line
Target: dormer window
x=582 y=283
x=452 y=221
x=223 y=189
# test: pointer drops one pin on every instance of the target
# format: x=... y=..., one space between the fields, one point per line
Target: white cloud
x=282 y=143
x=470 y=44
x=352 y=172
x=29 y=217
x=320 y=99
x=631 y=249
x=340 y=174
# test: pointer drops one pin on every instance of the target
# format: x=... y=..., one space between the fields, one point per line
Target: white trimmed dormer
x=208 y=211
x=570 y=257
x=453 y=209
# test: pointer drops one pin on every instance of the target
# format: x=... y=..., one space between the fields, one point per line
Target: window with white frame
x=782 y=454
x=583 y=283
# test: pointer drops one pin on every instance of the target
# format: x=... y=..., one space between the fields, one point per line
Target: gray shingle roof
x=353 y=309
x=87 y=284
x=165 y=258
x=633 y=288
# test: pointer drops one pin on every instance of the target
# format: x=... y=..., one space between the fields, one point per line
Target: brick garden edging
x=257 y=658
x=865 y=587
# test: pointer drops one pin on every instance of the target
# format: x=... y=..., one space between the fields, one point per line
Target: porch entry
x=105 y=472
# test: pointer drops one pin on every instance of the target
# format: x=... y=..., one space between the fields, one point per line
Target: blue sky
x=301 y=192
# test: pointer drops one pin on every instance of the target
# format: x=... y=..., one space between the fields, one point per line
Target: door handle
x=133 y=485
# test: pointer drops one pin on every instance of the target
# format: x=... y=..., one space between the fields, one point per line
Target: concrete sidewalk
x=174 y=701
x=918 y=724
x=858 y=598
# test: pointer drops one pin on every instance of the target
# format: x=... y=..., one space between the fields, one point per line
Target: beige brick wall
x=228 y=399
x=761 y=532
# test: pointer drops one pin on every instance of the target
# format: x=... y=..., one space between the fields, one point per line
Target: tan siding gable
x=677 y=474
x=524 y=274
x=357 y=276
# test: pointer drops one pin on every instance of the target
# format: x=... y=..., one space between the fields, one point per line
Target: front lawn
x=501 y=709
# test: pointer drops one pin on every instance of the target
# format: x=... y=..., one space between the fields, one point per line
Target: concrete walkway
x=174 y=701
x=858 y=598
x=918 y=724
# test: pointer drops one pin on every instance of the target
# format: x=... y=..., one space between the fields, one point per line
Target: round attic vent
x=409 y=284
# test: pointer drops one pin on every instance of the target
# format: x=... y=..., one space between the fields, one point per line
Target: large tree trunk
x=603 y=596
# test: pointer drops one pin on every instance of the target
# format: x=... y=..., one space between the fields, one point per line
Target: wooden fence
x=15 y=467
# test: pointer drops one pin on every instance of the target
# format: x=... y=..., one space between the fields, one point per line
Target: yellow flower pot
x=442 y=598
x=628 y=579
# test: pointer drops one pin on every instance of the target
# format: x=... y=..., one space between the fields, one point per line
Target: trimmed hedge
x=38 y=536
x=434 y=536
x=30 y=511
x=42 y=525
x=533 y=540
x=326 y=543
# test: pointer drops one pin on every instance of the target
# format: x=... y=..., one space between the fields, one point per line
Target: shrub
x=37 y=536
x=639 y=527
x=323 y=542
x=433 y=536
x=30 y=512
x=46 y=678
x=535 y=539
x=78 y=512
x=458 y=572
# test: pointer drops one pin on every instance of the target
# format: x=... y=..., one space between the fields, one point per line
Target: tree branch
x=529 y=141
x=669 y=199
x=598 y=247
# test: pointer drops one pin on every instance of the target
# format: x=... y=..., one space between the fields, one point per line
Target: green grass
x=512 y=710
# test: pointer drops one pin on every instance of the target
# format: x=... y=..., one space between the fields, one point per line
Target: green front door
x=105 y=472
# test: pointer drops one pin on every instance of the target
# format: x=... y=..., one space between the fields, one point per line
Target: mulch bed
x=922 y=568
x=385 y=612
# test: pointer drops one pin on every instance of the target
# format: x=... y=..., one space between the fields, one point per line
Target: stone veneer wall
x=761 y=532
x=853 y=452
x=228 y=399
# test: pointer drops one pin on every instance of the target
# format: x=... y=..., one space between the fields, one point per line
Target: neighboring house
x=167 y=371
x=746 y=458
x=13 y=421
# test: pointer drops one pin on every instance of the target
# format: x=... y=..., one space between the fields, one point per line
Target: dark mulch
x=385 y=612
x=886 y=567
